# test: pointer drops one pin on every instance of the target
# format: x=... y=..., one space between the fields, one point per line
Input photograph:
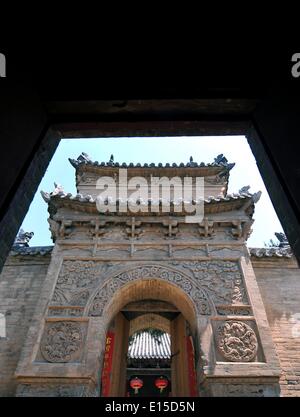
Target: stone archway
x=103 y=301
x=154 y=282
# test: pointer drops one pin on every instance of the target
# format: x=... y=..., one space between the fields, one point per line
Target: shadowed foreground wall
x=21 y=281
x=279 y=284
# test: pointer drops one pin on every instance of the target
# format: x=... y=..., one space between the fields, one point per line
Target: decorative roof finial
x=84 y=157
x=282 y=239
x=22 y=239
x=58 y=189
x=221 y=160
x=191 y=159
x=244 y=189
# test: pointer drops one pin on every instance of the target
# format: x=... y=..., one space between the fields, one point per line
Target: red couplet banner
x=107 y=364
x=191 y=367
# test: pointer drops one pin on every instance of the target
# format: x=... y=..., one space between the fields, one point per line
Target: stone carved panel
x=76 y=281
x=201 y=302
x=236 y=341
x=221 y=279
x=105 y=293
x=62 y=341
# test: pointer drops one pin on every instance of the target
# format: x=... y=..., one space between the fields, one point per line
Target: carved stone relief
x=236 y=341
x=62 y=341
x=76 y=281
x=106 y=292
x=221 y=279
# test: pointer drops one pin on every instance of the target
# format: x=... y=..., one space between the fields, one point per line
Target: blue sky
x=179 y=149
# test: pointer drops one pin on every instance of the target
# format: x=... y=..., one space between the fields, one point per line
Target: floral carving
x=201 y=302
x=62 y=342
x=104 y=294
x=75 y=281
x=221 y=279
x=236 y=341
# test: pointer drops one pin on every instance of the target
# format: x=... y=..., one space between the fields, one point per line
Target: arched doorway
x=155 y=304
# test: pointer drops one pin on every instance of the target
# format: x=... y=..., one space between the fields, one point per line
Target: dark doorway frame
x=145 y=118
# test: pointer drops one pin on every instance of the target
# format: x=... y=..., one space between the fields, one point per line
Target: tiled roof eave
x=271 y=252
x=108 y=165
x=89 y=199
x=31 y=250
x=254 y=252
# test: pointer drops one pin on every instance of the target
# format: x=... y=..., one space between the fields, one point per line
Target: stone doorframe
x=64 y=349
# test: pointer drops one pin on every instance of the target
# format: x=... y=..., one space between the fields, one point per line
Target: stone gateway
x=146 y=303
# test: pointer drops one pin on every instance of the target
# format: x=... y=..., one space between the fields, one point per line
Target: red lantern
x=136 y=383
x=161 y=383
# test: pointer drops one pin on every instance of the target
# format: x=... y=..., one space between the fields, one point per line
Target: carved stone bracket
x=98 y=228
x=134 y=230
x=241 y=229
x=60 y=228
x=206 y=228
x=172 y=228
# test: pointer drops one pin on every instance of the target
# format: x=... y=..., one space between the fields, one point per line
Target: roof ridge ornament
x=223 y=161
x=244 y=190
x=58 y=190
x=256 y=196
x=284 y=243
x=22 y=239
x=82 y=158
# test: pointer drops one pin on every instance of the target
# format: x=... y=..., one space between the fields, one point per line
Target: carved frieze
x=236 y=341
x=62 y=341
x=106 y=292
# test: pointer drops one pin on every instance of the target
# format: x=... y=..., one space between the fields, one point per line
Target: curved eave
x=211 y=205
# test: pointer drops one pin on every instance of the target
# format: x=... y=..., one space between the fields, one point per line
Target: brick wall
x=278 y=280
x=20 y=285
x=279 y=284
